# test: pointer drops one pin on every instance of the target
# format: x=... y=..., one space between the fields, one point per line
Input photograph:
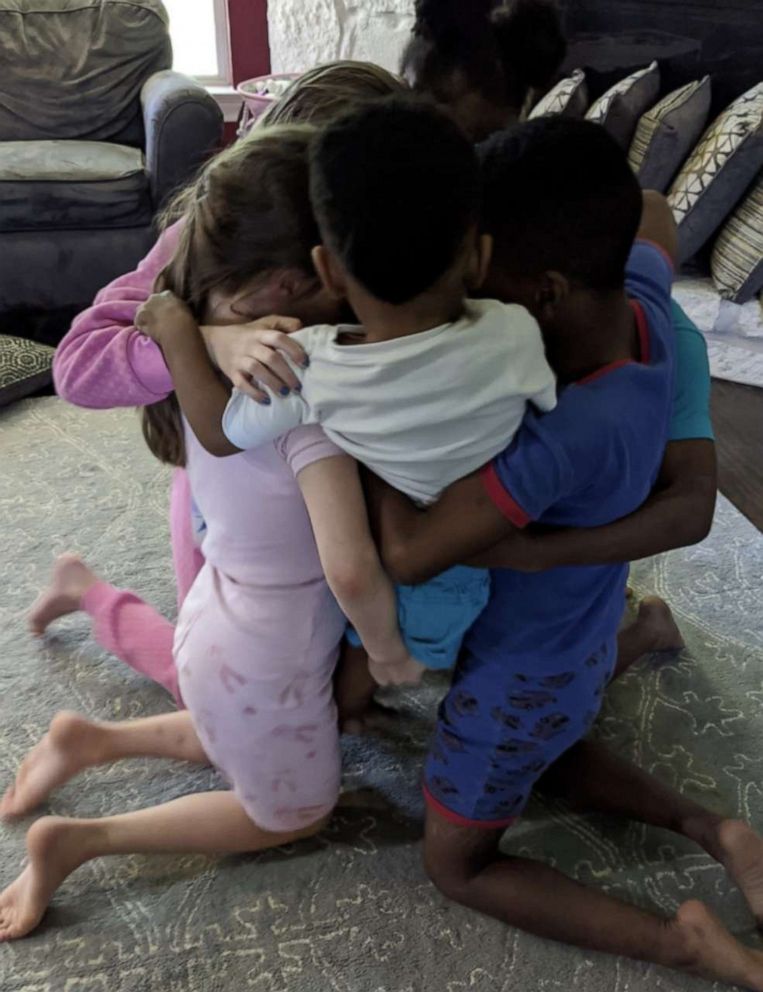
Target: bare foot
x=742 y=857
x=660 y=629
x=70 y=745
x=70 y=581
x=56 y=847
x=712 y=952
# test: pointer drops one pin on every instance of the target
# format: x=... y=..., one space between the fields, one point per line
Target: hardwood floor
x=738 y=421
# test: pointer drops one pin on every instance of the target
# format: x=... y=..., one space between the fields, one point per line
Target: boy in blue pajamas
x=564 y=210
x=549 y=639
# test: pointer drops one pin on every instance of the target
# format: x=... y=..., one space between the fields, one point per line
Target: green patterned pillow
x=722 y=165
x=667 y=133
x=738 y=253
x=569 y=98
x=25 y=367
x=619 y=109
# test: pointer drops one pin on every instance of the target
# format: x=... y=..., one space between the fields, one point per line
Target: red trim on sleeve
x=503 y=500
x=463 y=821
x=604 y=370
x=642 y=326
x=660 y=249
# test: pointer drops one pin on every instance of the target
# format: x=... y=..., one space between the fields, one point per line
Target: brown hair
x=247 y=214
x=328 y=90
x=249 y=210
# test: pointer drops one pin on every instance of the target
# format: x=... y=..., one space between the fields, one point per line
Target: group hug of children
x=466 y=342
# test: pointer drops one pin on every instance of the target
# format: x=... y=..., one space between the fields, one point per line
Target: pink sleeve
x=104 y=361
x=305 y=445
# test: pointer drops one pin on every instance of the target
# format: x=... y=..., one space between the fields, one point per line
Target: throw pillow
x=569 y=98
x=667 y=133
x=619 y=109
x=718 y=172
x=737 y=261
x=25 y=367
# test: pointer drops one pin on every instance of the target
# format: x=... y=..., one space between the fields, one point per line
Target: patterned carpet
x=351 y=911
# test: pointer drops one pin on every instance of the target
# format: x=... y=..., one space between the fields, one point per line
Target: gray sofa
x=95 y=132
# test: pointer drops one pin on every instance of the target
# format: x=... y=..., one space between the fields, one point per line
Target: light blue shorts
x=435 y=616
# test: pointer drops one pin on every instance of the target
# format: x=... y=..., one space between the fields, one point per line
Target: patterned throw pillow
x=619 y=109
x=569 y=98
x=667 y=133
x=25 y=367
x=721 y=167
x=738 y=253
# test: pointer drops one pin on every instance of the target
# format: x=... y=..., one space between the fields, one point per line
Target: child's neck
x=387 y=321
x=597 y=331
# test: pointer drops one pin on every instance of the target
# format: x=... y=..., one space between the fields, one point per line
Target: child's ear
x=552 y=291
x=329 y=272
x=482 y=255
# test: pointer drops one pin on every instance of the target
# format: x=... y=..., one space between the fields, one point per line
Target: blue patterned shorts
x=499 y=729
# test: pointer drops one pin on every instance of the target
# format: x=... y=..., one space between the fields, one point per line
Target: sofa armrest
x=184 y=126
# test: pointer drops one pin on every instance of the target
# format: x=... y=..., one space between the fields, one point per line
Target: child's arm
x=658 y=224
x=203 y=397
x=201 y=394
x=417 y=544
x=254 y=359
x=334 y=499
x=104 y=361
x=552 y=455
x=679 y=513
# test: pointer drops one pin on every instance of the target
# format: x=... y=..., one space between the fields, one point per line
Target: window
x=201 y=39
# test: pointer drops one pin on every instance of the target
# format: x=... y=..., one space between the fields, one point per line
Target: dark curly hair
x=501 y=52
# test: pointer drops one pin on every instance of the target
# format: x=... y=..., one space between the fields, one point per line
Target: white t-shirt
x=420 y=411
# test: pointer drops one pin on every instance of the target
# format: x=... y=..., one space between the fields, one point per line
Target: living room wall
x=690 y=37
x=305 y=32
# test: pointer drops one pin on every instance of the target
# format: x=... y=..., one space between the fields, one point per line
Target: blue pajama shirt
x=534 y=667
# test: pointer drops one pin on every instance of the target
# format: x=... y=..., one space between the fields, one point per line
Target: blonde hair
x=327 y=90
x=248 y=213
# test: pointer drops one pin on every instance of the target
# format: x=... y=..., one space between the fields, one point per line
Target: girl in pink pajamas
x=259 y=632
x=105 y=362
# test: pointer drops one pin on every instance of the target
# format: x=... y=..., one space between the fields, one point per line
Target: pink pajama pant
x=128 y=627
x=255 y=669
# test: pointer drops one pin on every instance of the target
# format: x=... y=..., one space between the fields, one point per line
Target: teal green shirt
x=690 y=417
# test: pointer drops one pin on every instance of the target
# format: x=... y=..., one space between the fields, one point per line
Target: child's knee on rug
x=454 y=855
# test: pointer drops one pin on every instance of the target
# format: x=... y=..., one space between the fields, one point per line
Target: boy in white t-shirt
x=429 y=385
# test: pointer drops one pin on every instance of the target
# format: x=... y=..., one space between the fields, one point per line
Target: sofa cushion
x=569 y=98
x=619 y=109
x=71 y=184
x=718 y=172
x=737 y=262
x=668 y=132
x=75 y=68
x=25 y=367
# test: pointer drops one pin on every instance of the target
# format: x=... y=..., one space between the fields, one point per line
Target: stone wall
x=306 y=32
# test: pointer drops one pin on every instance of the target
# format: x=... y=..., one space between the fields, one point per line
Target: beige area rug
x=351 y=911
